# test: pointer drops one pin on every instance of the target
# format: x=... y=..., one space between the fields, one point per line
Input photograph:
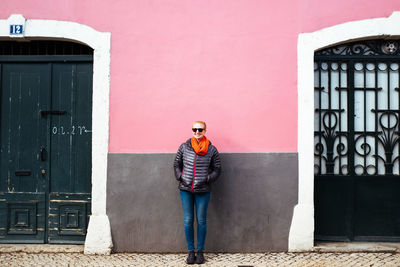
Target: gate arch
x=98 y=238
x=301 y=236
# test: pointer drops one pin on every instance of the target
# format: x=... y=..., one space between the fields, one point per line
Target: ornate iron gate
x=356 y=124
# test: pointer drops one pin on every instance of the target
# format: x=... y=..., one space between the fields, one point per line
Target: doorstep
x=41 y=248
x=357 y=247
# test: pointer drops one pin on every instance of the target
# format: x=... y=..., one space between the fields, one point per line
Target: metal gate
x=356 y=126
x=45 y=138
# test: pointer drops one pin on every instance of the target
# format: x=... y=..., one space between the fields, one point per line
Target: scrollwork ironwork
x=364 y=169
x=328 y=139
x=365 y=147
x=388 y=138
x=363 y=48
x=349 y=140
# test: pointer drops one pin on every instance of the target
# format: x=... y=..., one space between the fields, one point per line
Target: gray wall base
x=250 y=209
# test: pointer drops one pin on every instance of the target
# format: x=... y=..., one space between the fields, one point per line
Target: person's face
x=197 y=134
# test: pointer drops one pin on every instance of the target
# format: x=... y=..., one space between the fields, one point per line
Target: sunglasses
x=197 y=129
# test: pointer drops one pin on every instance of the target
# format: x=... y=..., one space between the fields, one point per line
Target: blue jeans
x=200 y=200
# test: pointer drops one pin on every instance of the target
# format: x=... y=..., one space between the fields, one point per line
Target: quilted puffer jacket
x=195 y=173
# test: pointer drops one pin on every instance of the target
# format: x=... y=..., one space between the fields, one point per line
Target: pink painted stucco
x=232 y=63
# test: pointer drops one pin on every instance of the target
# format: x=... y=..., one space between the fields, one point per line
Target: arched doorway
x=45 y=141
x=98 y=237
x=356 y=126
x=301 y=236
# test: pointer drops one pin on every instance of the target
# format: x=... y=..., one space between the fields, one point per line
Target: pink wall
x=231 y=63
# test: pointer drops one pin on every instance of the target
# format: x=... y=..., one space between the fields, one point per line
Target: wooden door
x=45 y=152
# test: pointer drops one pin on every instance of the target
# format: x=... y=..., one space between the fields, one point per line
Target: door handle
x=43 y=154
x=52 y=112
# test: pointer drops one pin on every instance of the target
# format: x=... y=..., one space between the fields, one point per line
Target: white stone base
x=98 y=237
x=301 y=236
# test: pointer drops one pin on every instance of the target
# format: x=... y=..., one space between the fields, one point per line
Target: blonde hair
x=201 y=122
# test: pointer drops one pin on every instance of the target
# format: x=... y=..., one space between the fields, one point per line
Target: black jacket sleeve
x=178 y=163
x=216 y=167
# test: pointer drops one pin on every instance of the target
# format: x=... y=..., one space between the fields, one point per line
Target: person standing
x=197 y=165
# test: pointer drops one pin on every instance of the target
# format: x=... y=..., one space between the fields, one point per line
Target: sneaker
x=191 y=258
x=200 y=257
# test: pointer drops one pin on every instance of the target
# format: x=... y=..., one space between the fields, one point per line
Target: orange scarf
x=201 y=147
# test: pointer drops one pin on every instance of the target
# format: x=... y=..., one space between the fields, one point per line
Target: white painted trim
x=301 y=236
x=98 y=238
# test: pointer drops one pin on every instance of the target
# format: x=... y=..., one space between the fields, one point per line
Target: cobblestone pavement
x=221 y=259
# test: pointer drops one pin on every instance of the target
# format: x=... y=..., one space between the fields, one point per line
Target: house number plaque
x=16 y=29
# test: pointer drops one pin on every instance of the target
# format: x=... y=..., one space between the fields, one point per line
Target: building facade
x=246 y=68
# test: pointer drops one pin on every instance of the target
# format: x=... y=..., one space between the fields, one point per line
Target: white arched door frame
x=301 y=236
x=98 y=237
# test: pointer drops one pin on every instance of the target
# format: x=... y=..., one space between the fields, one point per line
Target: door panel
x=71 y=132
x=25 y=90
x=70 y=152
x=377 y=209
x=23 y=217
x=332 y=209
x=68 y=218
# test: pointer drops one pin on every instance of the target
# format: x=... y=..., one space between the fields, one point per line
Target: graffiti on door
x=70 y=130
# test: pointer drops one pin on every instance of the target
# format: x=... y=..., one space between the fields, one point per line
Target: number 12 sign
x=16 y=29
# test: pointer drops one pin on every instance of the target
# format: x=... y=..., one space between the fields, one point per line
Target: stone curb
x=43 y=248
x=319 y=248
x=360 y=247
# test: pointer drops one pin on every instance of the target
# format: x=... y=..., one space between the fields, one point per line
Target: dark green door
x=45 y=152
